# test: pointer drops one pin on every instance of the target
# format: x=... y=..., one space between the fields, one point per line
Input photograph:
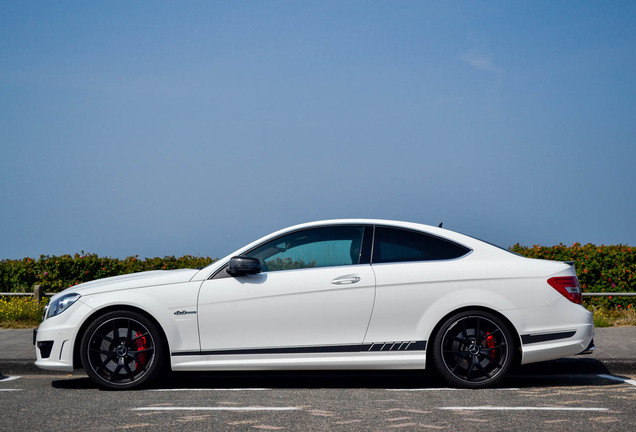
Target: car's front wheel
x=473 y=349
x=122 y=350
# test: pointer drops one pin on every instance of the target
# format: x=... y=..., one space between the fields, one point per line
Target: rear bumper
x=581 y=341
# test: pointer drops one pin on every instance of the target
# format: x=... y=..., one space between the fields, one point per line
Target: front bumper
x=55 y=339
x=54 y=350
x=589 y=350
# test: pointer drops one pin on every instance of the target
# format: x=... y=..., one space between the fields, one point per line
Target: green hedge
x=55 y=273
x=599 y=268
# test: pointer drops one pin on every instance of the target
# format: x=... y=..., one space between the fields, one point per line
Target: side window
x=399 y=245
x=318 y=247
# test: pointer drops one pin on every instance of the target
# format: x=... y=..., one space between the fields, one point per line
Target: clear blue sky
x=172 y=128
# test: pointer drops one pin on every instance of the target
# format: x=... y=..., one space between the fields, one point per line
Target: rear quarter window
x=401 y=245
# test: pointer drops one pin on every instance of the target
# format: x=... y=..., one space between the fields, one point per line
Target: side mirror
x=241 y=266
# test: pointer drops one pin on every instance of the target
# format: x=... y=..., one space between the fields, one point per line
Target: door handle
x=346 y=279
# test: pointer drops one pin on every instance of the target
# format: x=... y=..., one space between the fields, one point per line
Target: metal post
x=38 y=292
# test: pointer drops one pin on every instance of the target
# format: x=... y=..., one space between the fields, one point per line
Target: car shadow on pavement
x=561 y=373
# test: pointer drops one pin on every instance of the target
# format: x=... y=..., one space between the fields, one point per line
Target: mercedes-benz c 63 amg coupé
x=337 y=295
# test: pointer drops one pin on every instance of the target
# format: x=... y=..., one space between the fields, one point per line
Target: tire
x=122 y=350
x=473 y=349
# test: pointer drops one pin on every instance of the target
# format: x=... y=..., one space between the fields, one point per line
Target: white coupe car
x=340 y=294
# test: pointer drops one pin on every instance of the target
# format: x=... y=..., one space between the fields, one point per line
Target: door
x=312 y=293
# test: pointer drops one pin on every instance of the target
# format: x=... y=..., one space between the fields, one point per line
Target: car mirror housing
x=242 y=266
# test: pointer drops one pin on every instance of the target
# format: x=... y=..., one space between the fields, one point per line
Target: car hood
x=129 y=281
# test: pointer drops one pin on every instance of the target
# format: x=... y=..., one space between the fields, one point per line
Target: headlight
x=61 y=304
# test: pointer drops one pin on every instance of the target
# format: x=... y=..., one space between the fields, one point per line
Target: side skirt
x=378 y=346
x=393 y=355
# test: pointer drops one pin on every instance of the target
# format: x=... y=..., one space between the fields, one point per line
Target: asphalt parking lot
x=529 y=401
x=596 y=392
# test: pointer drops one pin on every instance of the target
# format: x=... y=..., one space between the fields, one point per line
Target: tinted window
x=396 y=245
x=318 y=247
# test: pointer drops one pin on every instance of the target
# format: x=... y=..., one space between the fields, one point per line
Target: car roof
x=443 y=232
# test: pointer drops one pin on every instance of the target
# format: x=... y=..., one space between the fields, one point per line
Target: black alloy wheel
x=473 y=349
x=122 y=350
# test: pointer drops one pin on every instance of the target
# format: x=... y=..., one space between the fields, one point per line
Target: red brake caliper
x=141 y=345
x=490 y=343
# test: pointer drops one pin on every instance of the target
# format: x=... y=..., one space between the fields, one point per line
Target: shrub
x=599 y=269
x=55 y=273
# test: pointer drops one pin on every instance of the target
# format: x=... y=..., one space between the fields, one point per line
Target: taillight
x=568 y=286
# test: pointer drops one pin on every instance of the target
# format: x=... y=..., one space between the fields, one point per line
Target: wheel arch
x=77 y=360
x=511 y=327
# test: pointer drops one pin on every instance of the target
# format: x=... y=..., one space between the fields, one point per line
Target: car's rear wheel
x=473 y=349
x=122 y=350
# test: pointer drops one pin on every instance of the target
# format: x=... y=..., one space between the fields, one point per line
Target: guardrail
x=39 y=293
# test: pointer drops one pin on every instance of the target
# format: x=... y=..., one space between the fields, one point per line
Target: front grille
x=45 y=348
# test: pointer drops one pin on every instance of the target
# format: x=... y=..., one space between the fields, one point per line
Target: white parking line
x=9 y=378
x=216 y=409
x=208 y=389
x=494 y=408
x=614 y=378
x=444 y=389
x=10 y=390
x=423 y=389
